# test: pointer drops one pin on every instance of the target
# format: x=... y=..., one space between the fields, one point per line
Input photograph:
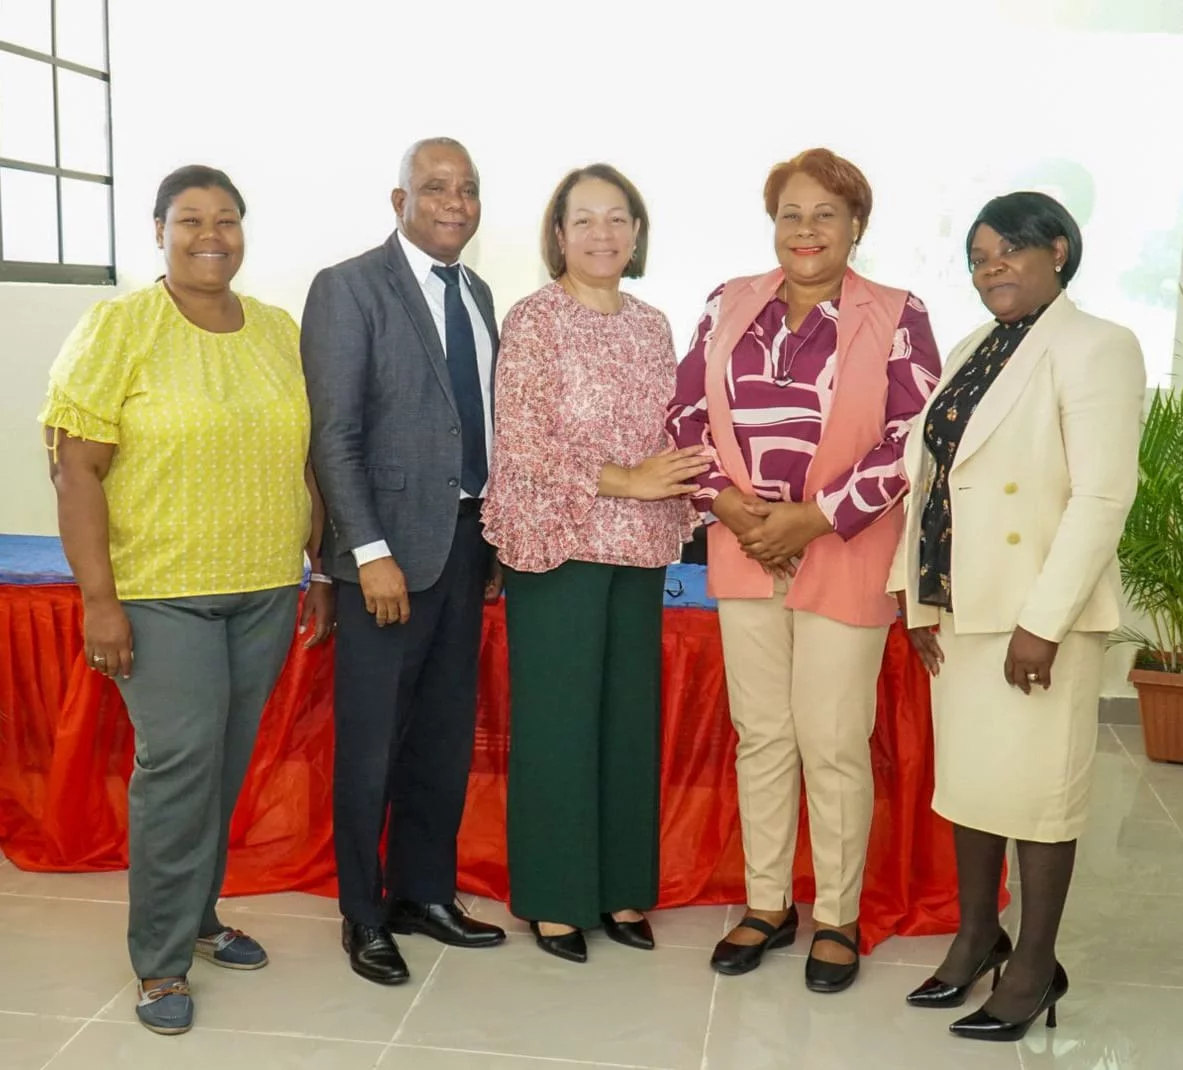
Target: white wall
x=1178 y=361
x=310 y=112
x=310 y=105
x=33 y=323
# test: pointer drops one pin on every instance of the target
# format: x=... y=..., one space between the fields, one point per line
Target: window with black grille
x=55 y=143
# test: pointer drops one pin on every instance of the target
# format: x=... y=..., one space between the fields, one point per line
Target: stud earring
x=1059 y=268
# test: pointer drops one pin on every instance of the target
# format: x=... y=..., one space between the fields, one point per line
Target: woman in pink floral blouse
x=587 y=506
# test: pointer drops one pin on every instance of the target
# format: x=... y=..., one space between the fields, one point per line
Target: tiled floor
x=66 y=1000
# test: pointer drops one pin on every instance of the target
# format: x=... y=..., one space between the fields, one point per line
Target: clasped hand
x=775 y=534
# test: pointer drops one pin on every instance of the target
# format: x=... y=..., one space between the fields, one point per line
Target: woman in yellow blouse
x=179 y=425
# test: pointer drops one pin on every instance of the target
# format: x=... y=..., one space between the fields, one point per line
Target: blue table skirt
x=29 y=560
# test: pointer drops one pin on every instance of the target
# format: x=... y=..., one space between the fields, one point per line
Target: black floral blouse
x=947 y=419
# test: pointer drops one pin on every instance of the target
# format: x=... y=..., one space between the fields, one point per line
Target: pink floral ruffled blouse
x=577 y=389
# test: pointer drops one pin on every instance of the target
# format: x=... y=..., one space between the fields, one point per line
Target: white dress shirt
x=433 y=288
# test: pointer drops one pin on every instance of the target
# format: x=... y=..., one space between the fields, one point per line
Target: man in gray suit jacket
x=399 y=346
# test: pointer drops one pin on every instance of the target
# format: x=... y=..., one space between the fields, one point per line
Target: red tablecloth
x=66 y=754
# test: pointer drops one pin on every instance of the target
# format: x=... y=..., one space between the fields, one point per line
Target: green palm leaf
x=1151 y=548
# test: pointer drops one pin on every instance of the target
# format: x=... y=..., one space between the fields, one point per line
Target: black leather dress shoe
x=733 y=959
x=636 y=934
x=982 y=1025
x=569 y=946
x=937 y=993
x=373 y=954
x=444 y=922
x=830 y=977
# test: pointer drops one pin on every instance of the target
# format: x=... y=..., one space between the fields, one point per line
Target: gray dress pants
x=204 y=669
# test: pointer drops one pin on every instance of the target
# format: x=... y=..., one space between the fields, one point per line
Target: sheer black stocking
x=1045 y=872
x=980 y=856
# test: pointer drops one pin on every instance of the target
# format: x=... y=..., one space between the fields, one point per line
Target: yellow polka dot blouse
x=206 y=490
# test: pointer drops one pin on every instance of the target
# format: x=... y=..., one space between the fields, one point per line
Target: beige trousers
x=802 y=690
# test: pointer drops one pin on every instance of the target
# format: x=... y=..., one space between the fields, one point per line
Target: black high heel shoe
x=937 y=993
x=571 y=946
x=634 y=934
x=981 y=1025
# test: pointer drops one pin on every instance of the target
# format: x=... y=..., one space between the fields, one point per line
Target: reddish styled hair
x=838 y=175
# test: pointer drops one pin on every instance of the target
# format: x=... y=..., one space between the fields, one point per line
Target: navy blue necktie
x=466 y=383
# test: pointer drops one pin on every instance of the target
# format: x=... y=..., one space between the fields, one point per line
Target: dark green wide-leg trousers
x=585 y=740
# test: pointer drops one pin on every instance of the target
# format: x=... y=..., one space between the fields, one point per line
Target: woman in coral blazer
x=1022 y=470
x=802 y=383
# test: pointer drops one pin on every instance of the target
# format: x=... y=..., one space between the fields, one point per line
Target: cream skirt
x=1012 y=764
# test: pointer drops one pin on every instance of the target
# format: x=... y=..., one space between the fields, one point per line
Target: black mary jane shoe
x=571 y=947
x=831 y=977
x=937 y=993
x=734 y=959
x=982 y=1025
x=634 y=934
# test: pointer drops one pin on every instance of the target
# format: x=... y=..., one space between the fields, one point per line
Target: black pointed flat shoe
x=734 y=959
x=937 y=993
x=982 y=1025
x=571 y=947
x=831 y=977
x=634 y=934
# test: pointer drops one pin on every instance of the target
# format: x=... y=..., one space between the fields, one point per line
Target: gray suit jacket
x=385 y=428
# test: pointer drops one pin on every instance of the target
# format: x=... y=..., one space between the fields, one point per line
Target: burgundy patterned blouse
x=780 y=384
x=577 y=389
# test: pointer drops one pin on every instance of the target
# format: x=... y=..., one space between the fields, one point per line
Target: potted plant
x=1151 y=558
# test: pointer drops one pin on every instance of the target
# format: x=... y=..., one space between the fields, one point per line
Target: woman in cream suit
x=1023 y=469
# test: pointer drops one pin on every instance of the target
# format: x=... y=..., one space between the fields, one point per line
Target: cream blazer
x=1041 y=483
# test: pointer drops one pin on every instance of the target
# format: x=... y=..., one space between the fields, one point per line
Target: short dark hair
x=556 y=212
x=1032 y=221
x=194 y=176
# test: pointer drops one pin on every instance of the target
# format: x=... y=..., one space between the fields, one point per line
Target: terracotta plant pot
x=1160 y=699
